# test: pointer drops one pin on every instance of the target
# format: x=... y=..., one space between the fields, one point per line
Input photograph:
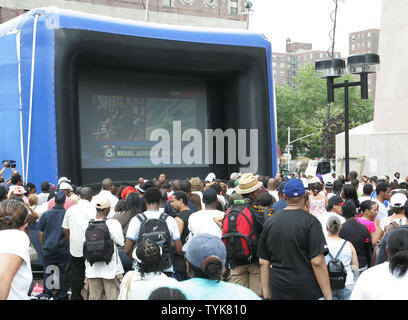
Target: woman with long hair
x=133 y=205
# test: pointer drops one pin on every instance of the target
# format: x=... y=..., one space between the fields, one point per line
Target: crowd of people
x=250 y=237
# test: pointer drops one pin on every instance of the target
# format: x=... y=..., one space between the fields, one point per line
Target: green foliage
x=305 y=107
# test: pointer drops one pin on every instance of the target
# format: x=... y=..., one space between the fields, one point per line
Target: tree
x=305 y=106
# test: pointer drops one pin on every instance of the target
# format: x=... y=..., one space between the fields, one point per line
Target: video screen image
x=117 y=118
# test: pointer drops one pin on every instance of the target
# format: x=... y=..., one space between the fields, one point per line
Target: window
x=274 y=57
x=233 y=6
x=282 y=65
x=353 y=37
x=168 y=3
x=281 y=81
x=311 y=56
x=369 y=35
x=369 y=44
x=282 y=73
x=273 y=64
x=352 y=46
x=321 y=55
x=282 y=57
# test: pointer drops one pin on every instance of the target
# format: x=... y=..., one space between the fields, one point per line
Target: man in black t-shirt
x=292 y=242
x=357 y=234
x=179 y=203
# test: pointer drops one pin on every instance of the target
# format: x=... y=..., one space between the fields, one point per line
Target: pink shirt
x=68 y=203
x=369 y=224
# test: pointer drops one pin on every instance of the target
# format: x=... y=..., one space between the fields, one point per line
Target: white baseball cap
x=398 y=200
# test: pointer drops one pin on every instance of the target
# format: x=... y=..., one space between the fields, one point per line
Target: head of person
x=66 y=187
x=120 y=205
x=153 y=196
x=397 y=175
x=3 y=194
x=31 y=188
x=368 y=189
x=249 y=186
x=126 y=191
x=281 y=187
x=266 y=199
x=337 y=187
x=16 y=179
x=60 y=198
x=348 y=209
x=216 y=187
x=166 y=293
x=350 y=193
x=355 y=183
x=108 y=185
x=206 y=256
x=86 y=193
x=17 y=191
x=329 y=186
x=102 y=205
x=397 y=202
x=294 y=192
x=316 y=186
x=352 y=175
x=45 y=187
x=148 y=256
x=369 y=209
x=14 y=214
x=134 y=203
x=185 y=185
x=196 y=200
x=333 y=225
x=175 y=186
x=397 y=251
x=196 y=184
x=334 y=204
x=210 y=198
x=179 y=200
x=383 y=190
x=273 y=184
x=33 y=199
x=162 y=178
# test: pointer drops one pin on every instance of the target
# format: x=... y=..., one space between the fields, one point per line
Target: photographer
x=7 y=164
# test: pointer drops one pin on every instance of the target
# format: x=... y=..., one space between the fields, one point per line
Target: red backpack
x=238 y=235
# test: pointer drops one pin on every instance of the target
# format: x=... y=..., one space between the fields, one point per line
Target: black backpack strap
x=163 y=216
x=141 y=217
x=338 y=253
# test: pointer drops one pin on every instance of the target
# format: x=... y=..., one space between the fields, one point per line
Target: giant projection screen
x=86 y=103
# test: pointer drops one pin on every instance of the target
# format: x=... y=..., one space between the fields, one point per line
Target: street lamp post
x=329 y=69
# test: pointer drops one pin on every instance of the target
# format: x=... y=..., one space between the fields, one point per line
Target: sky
x=309 y=21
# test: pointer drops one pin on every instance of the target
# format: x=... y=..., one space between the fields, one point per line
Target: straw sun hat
x=248 y=183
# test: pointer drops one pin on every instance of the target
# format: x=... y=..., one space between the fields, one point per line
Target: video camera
x=9 y=163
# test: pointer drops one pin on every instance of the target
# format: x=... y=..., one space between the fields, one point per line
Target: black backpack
x=98 y=245
x=337 y=272
x=157 y=231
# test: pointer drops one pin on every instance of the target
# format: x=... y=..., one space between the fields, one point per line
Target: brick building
x=285 y=65
x=366 y=41
x=204 y=13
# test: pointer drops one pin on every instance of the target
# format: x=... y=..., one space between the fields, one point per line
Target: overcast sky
x=309 y=21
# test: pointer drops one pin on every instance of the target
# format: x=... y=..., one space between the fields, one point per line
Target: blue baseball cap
x=294 y=188
x=204 y=245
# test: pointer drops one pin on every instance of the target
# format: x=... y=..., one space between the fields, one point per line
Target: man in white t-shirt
x=383 y=191
x=104 y=278
x=75 y=222
x=208 y=220
x=108 y=187
x=152 y=197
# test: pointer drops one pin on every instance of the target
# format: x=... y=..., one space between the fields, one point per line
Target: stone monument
x=380 y=147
